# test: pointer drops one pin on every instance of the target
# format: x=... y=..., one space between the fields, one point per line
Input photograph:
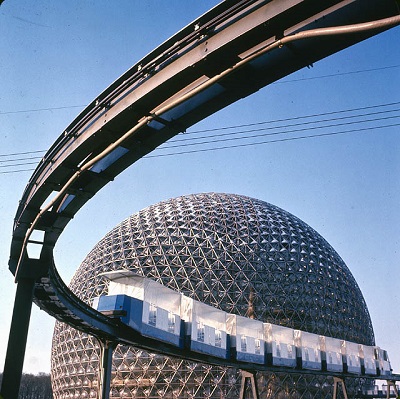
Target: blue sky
x=58 y=56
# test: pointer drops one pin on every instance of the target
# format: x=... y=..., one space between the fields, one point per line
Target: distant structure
x=239 y=254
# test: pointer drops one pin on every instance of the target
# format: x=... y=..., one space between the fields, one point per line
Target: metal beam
x=392 y=384
x=17 y=339
x=248 y=376
x=107 y=350
x=336 y=382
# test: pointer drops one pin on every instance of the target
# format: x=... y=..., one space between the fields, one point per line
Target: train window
x=278 y=350
x=385 y=356
x=243 y=343
x=152 y=314
x=306 y=354
x=200 y=331
x=290 y=351
x=218 y=339
x=257 y=346
x=171 y=322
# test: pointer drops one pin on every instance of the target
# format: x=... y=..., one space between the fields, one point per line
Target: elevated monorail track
x=107 y=328
x=228 y=53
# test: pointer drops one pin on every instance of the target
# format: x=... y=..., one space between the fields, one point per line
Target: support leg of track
x=336 y=382
x=107 y=349
x=17 y=339
x=391 y=383
x=247 y=375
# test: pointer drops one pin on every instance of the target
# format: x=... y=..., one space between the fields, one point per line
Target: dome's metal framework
x=238 y=254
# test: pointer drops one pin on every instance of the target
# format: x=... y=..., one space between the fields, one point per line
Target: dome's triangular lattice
x=219 y=249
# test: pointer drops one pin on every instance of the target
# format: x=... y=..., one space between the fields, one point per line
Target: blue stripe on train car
x=304 y=361
x=310 y=365
x=165 y=336
x=279 y=361
x=350 y=368
x=201 y=347
x=250 y=357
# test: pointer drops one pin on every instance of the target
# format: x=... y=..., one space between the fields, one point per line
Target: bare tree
x=34 y=386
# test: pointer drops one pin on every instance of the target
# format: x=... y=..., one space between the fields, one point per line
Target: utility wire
x=230 y=134
x=8 y=160
x=21 y=153
x=296 y=118
x=282 y=126
x=269 y=122
x=245 y=144
x=337 y=74
x=275 y=133
x=18 y=159
x=19 y=164
x=17 y=171
x=273 y=141
x=283 y=81
x=21 y=111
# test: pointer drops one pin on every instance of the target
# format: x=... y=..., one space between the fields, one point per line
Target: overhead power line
x=334 y=75
x=19 y=164
x=22 y=153
x=18 y=159
x=373 y=116
x=342 y=111
x=16 y=171
x=272 y=141
x=308 y=128
x=21 y=111
x=291 y=125
x=283 y=81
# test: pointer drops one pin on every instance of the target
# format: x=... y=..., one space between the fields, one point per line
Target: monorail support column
x=390 y=384
x=248 y=375
x=107 y=350
x=33 y=269
x=336 y=382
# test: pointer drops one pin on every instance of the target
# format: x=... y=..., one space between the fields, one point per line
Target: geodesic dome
x=235 y=253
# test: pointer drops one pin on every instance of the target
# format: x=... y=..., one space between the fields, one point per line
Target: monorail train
x=162 y=313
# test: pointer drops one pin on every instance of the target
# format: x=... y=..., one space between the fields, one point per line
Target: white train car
x=309 y=346
x=333 y=349
x=246 y=339
x=153 y=309
x=281 y=350
x=352 y=357
x=368 y=359
x=382 y=362
x=205 y=328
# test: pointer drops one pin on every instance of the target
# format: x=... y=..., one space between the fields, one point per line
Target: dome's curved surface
x=219 y=249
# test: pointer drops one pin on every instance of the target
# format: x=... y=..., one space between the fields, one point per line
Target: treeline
x=34 y=386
